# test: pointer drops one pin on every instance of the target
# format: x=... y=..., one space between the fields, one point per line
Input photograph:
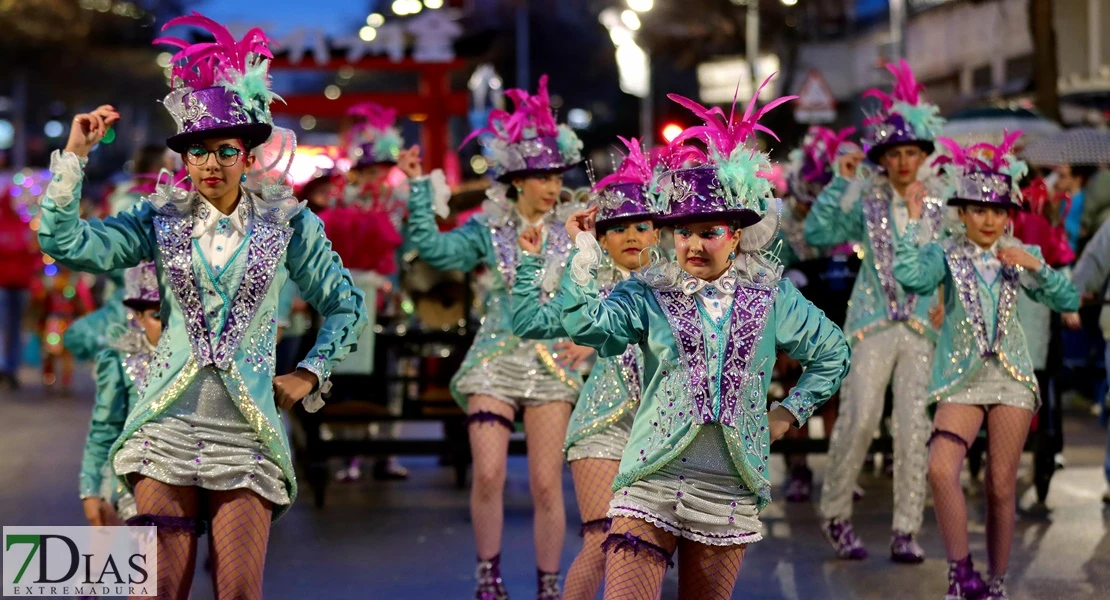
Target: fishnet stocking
x=952 y=424
x=593 y=486
x=545 y=428
x=1007 y=428
x=634 y=572
x=489 y=446
x=173 y=509
x=707 y=572
x=237 y=542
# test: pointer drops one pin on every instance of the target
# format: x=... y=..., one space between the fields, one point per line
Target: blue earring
x=243 y=178
x=732 y=256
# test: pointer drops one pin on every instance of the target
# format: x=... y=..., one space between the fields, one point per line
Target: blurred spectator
x=17 y=269
x=1097 y=194
x=58 y=300
x=1072 y=180
x=148 y=162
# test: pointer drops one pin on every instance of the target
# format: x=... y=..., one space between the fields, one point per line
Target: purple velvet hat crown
x=812 y=165
x=220 y=88
x=626 y=195
x=528 y=141
x=373 y=139
x=983 y=174
x=904 y=116
x=735 y=184
x=140 y=286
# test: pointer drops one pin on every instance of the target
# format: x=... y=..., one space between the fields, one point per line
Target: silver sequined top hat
x=983 y=174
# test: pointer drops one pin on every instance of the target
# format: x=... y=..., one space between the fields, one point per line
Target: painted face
x=902 y=163
x=150 y=323
x=985 y=224
x=217 y=166
x=703 y=249
x=624 y=242
x=539 y=194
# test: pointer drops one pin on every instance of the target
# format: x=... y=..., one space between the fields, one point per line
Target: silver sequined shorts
x=203 y=440
x=991 y=384
x=607 y=444
x=698 y=496
x=517 y=378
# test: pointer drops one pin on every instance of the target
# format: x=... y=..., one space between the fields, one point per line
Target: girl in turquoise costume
x=502 y=374
x=694 y=474
x=984 y=373
x=602 y=418
x=205 y=441
x=121 y=371
x=890 y=330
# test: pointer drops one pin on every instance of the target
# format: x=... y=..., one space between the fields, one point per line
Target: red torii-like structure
x=433 y=103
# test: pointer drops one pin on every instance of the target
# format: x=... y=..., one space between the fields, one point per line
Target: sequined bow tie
x=725 y=285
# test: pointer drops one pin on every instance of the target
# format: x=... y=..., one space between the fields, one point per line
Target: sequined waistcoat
x=877 y=299
x=982 y=323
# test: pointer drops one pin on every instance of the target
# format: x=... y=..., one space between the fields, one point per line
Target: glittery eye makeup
x=644 y=227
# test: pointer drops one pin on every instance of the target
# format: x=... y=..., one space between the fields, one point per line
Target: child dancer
x=121 y=371
x=502 y=374
x=889 y=329
x=693 y=476
x=205 y=443
x=986 y=374
x=602 y=418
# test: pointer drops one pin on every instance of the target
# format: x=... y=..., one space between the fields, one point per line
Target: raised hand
x=409 y=162
x=89 y=128
x=530 y=240
x=293 y=387
x=580 y=221
x=915 y=199
x=849 y=163
x=1018 y=257
x=571 y=355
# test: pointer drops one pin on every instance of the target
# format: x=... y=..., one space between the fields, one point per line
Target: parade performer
x=889 y=329
x=987 y=374
x=205 y=443
x=121 y=371
x=606 y=407
x=694 y=475
x=503 y=375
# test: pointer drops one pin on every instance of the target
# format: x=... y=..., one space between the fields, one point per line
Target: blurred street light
x=789 y=2
x=331 y=92
x=433 y=4
x=630 y=20
x=671 y=131
x=367 y=34
x=375 y=20
x=640 y=5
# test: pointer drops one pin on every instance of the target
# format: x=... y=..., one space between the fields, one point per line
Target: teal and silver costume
x=211 y=381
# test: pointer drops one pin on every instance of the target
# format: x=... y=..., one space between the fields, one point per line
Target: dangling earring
x=243 y=178
x=519 y=192
x=732 y=256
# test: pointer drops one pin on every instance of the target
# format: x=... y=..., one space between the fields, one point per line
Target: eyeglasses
x=226 y=156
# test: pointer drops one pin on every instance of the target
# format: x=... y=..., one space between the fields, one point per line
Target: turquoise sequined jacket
x=205 y=326
x=981 y=318
x=697 y=372
x=613 y=388
x=121 y=371
x=859 y=211
x=490 y=238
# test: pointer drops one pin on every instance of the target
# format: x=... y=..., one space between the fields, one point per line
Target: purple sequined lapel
x=174 y=235
x=266 y=252
x=504 y=238
x=876 y=211
x=967 y=288
x=137 y=366
x=750 y=309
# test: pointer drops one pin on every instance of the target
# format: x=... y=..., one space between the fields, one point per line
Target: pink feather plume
x=208 y=63
x=722 y=135
x=529 y=112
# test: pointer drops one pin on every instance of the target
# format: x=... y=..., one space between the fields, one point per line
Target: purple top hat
x=812 y=165
x=627 y=194
x=140 y=287
x=735 y=185
x=983 y=174
x=904 y=117
x=373 y=139
x=221 y=88
x=528 y=141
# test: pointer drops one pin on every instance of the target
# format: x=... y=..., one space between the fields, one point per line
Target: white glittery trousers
x=906 y=356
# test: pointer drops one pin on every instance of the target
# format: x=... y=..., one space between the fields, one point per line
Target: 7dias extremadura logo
x=80 y=561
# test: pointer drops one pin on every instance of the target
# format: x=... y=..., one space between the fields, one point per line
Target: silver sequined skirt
x=203 y=440
x=517 y=377
x=607 y=444
x=698 y=496
x=991 y=384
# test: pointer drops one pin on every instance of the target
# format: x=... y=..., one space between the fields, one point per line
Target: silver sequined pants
x=908 y=357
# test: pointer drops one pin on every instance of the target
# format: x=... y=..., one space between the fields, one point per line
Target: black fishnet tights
x=173 y=510
x=237 y=542
x=593 y=483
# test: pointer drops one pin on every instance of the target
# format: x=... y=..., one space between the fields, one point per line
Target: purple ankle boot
x=843 y=539
x=547 y=586
x=997 y=588
x=963 y=582
x=905 y=549
x=489 y=585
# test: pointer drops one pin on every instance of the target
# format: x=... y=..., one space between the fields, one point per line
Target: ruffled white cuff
x=66 y=171
x=314 y=401
x=441 y=194
x=586 y=261
x=851 y=194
